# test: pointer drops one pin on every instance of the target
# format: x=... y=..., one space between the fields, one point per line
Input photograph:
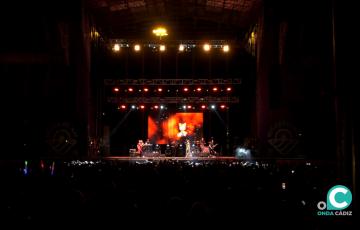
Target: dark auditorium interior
x=240 y=112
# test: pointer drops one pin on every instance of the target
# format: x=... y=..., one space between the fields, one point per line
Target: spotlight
x=116 y=89
x=146 y=89
x=213 y=106
x=160 y=32
x=156 y=107
x=222 y=106
x=130 y=89
x=161 y=107
x=241 y=152
x=116 y=48
x=189 y=106
x=123 y=106
x=160 y=89
x=215 y=89
x=206 y=47
x=203 y=107
x=184 y=106
x=137 y=48
x=162 y=48
x=198 y=89
x=181 y=47
x=226 y=48
x=186 y=89
x=142 y=106
x=133 y=107
x=228 y=89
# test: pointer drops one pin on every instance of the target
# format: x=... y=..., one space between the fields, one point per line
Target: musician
x=212 y=146
x=139 y=147
x=187 y=148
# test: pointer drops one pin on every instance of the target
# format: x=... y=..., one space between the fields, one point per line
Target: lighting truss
x=172 y=100
x=149 y=82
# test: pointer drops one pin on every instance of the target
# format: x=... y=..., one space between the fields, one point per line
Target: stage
x=162 y=158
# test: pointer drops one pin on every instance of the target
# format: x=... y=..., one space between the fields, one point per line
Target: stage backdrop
x=175 y=127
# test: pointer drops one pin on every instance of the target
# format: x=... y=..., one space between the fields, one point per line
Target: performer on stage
x=212 y=146
x=187 y=149
x=139 y=147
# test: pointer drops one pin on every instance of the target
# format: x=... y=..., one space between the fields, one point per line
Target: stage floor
x=127 y=158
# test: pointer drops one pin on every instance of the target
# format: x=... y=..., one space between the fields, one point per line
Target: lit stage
x=127 y=158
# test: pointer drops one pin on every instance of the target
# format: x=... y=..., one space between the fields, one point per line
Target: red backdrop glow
x=175 y=127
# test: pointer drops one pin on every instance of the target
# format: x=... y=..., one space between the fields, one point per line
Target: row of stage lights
x=163 y=107
x=162 y=47
x=185 y=89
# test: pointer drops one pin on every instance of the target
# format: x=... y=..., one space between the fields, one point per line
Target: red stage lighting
x=123 y=106
x=223 y=106
x=130 y=89
x=189 y=106
x=198 y=89
x=203 y=107
x=146 y=89
x=186 y=89
x=160 y=89
x=156 y=107
x=215 y=89
x=142 y=106
x=228 y=89
x=116 y=89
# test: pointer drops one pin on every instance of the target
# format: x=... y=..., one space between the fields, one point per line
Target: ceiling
x=185 y=19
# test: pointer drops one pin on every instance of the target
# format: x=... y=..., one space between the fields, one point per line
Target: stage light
x=160 y=32
x=116 y=48
x=189 y=106
x=203 y=106
x=142 y=106
x=241 y=152
x=160 y=89
x=181 y=47
x=162 y=48
x=215 y=89
x=137 y=48
x=116 y=89
x=198 y=89
x=206 y=47
x=156 y=107
x=162 y=107
x=123 y=106
x=213 y=106
x=130 y=89
x=223 y=106
x=133 y=107
x=186 y=89
x=226 y=48
x=184 y=106
x=146 y=89
x=228 y=89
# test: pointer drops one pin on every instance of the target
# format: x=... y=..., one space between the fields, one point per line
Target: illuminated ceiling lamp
x=160 y=32
x=226 y=48
x=116 y=47
x=162 y=48
x=206 y=47
x=137 y=48
x=181 y=48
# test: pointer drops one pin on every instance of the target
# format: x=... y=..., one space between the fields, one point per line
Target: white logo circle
x=321 y=205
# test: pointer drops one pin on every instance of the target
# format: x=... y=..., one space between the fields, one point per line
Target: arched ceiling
x=185 y=19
